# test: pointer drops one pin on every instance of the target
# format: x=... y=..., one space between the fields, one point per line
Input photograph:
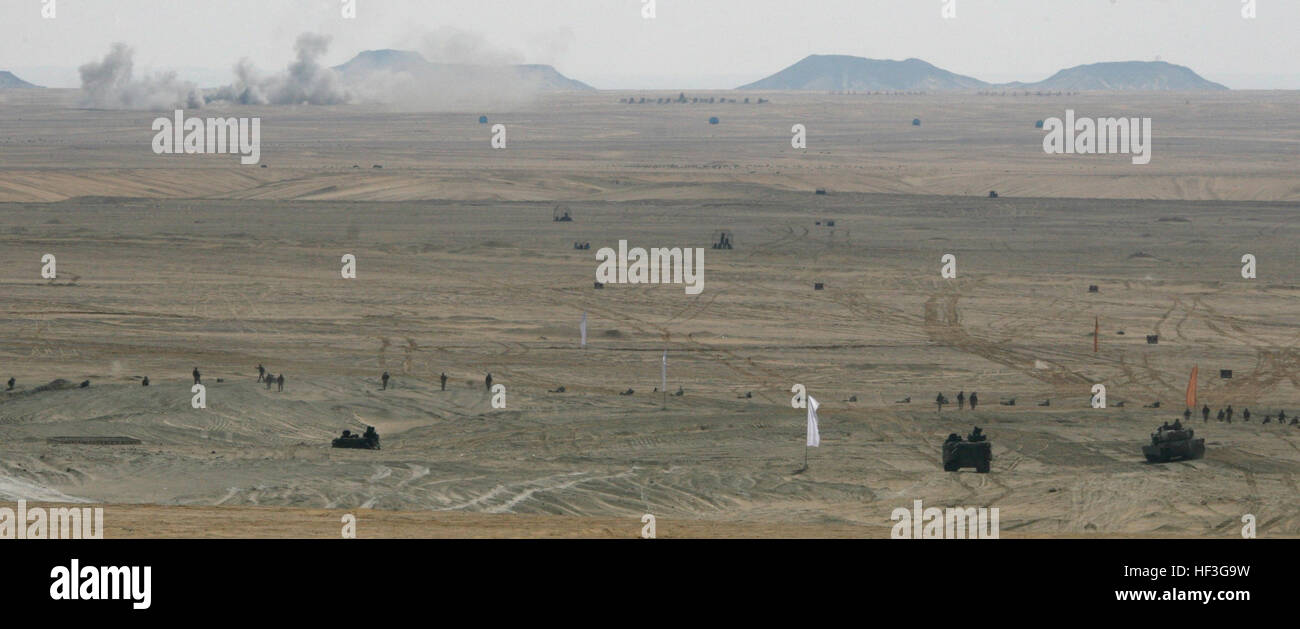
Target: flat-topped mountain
x=372 y=62
x=843 y=72
x=1125 y=75
x=847 y=73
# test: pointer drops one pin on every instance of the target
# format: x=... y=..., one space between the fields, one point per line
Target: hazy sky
x=690 y=44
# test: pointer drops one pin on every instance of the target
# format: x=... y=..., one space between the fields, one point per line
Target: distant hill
x=8 y=80
x=370 y=62
x=843 y=72
x=1125 y=75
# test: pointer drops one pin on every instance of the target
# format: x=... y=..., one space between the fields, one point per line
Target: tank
x=975 y=452
x=368 y=441
x=1174 y=444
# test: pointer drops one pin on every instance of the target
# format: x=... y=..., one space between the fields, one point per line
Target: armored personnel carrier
x=368 y=441
x=975 y=451
x=1174 y=443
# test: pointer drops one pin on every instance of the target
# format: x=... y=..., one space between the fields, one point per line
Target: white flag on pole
x=663 y=374
x=583 y=326
x=814 y=437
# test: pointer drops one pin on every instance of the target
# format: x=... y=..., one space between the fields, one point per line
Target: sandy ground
x=1240 y=146
x=461 y=270
x=122 y=521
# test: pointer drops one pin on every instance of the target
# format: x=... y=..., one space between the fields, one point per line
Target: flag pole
x=811 y=405
x=663 y=382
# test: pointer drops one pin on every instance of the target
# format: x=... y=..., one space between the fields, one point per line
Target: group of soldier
x=442 y=380
x=262 y=376
x=940 y=400
x=383 y=379
x=1225 y=415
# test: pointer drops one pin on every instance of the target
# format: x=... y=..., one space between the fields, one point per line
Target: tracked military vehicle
x=1174 y=443
x=368 y=441
x=975 y=451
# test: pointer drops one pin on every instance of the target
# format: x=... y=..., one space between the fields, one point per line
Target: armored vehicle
x=974 y=452
x=1174 y=443
x=368 y=441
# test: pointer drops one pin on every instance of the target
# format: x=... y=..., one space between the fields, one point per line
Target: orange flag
x=1191 y=389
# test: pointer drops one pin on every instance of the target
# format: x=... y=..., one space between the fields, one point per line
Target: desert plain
x=171 y=262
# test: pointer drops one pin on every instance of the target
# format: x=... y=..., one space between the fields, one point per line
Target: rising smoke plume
x=110 y=84
x=453 y=70
x=305 y=82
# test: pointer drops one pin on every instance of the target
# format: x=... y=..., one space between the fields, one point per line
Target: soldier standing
x=488 y=380
x=196 y=375
x=385 y=379
x=261 y=372
x=1228 y=414
x=973 y=400
x=279 y=381
x=443 y=380
x=1205 y=413
x=961 y=400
